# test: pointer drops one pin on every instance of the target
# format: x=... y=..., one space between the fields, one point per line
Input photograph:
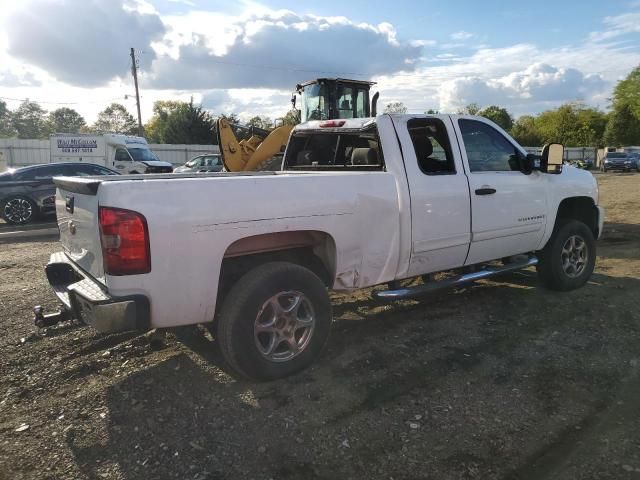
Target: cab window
x=122 y=155
x=361 y=104
x=431 y=145
x=345 y=102
x=355 y=150
x=487 y=149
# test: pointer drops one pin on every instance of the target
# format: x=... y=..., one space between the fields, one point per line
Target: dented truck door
x=440 y=207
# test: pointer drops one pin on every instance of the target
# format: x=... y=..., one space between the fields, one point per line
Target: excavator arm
x=249 y=154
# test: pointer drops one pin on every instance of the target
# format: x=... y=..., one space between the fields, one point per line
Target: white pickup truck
x=358 y=203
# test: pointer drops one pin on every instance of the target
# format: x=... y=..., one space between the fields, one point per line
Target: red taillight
x=332 y=123
x=125 y=241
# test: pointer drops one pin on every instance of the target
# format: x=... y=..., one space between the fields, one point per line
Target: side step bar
x=419 y=290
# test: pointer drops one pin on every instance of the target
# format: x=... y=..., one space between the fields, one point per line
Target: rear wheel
x=19 y=210
x=568 y=259
x=274 y=322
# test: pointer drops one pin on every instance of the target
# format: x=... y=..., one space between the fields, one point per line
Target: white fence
x=19 y=153
x=571 y=154
x=590 y=155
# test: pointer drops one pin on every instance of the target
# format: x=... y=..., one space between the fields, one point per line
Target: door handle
x=485 y=191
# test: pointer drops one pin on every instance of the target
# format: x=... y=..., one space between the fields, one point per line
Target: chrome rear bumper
x=87 y=300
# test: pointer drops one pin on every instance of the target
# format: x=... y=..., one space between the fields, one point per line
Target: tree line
x=172 y=122
x=572 y=124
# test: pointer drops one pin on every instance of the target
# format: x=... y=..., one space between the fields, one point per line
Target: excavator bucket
x=249 y=154
x=270 y=146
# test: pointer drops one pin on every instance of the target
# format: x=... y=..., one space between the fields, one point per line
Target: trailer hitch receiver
x=42 y=321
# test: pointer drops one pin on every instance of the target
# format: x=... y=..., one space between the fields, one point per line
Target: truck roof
x=346 y=80
x=361 y=123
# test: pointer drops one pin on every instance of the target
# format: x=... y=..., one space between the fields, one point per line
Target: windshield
x=143 y=155
x=192 y=162
x=616 y=155
x=314 y=106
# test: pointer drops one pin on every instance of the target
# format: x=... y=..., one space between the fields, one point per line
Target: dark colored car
x=29 y=192
x=211 y=162
x=618 y=161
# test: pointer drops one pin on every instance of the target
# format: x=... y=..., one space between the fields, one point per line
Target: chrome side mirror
x=552 y=158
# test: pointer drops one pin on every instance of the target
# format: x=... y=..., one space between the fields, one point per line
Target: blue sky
x=545 y=22
x=245 y=56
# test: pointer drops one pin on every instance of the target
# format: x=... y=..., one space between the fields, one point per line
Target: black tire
x=551 y=266
x=248 y=303
x=19 y=210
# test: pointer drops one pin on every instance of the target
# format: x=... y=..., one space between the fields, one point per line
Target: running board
x=429 y=287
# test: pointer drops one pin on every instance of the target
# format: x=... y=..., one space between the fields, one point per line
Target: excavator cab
x=250 y=148
x=334 y=98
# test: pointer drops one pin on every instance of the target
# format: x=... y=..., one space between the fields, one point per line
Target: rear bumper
x=88 y=300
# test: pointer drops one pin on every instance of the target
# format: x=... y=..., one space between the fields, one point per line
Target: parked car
x=618 y=161
x=362 y=202
x=211 y=162
x=27 y=193
x=635 y=161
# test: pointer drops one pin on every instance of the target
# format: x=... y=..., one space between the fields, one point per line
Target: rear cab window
x=341 y=150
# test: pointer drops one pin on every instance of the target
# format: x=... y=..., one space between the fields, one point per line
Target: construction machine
x=335 y=98
x=321 y=99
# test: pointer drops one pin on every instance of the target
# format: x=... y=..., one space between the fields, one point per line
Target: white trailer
x=123 y=153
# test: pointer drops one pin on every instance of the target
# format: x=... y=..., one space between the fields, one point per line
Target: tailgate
x=77 y=213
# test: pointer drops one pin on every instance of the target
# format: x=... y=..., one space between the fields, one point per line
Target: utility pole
x=134 y=72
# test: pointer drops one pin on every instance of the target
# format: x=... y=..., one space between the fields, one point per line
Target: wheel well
x=311 y=249
x=579 y=208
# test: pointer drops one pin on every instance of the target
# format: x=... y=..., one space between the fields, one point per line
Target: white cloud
x=11 y=79
x=461 y=35
x=277 y=50
x=81 y=43
x=617 y=26
x=523 y=78
x=538 y=85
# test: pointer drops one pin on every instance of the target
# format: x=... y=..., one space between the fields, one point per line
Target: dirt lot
x=498 y=380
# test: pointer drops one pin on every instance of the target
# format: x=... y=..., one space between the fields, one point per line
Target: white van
x=123 y=153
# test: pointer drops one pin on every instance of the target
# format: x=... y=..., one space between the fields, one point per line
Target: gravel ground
x=500 y=380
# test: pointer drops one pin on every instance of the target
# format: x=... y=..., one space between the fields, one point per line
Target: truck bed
x=195 y=220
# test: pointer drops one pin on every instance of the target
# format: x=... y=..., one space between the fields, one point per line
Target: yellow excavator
x=321 y=99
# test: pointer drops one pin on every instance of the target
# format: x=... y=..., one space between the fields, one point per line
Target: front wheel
x=274 y=322
x=19 y=210
x=568 y=259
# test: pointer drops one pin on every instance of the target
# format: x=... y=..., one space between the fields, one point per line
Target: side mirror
x=293 y=101
x=552 y=158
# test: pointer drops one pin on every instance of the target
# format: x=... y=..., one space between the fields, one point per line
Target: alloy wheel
x=284 y=326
